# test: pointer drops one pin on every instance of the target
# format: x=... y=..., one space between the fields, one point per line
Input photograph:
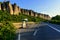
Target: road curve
x=47 y=31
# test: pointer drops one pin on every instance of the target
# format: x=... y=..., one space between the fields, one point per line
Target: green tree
x=57 y=17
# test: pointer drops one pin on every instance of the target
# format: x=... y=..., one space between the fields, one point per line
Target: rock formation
x=0 y=6
x=3 y=6
x=13 y=9
x=16 y=9
x=10 y=8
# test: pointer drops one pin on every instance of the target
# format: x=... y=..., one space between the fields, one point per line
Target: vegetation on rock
x=5 y=16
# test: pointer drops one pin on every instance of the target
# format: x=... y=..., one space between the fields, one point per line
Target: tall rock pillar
x=26 y=11
x=31 y=13
x=3 y=6
x=22 y=11
x=19 y=10
x=0 y=6
x=10 y=8
x=16 y=10
x=36 y=15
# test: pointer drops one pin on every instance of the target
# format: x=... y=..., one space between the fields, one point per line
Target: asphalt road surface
x=46 y=31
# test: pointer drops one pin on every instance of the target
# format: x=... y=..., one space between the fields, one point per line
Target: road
x=45 y=31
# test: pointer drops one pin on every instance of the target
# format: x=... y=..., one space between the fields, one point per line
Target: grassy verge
x=55 y=22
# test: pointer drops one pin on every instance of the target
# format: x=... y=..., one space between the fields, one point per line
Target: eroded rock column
x=0 y=6
x=22 y=11
x=36 y=14
x=31 y=13
x=19 y=10
x=10 y=8
x=26 y=11
x=16 y=10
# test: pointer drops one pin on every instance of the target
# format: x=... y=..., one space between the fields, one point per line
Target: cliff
x=13 y=9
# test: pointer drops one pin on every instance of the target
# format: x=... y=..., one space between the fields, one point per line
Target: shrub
x=7 y=31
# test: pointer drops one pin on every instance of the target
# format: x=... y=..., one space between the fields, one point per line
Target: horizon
x=49 y=7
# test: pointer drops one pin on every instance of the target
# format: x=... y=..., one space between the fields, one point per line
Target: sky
x=50 y=7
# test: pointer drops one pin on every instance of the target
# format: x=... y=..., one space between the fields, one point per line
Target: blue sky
x=50 y=7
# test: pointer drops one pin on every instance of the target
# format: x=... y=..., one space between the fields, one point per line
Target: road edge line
x=19 y=36
x=54 y=28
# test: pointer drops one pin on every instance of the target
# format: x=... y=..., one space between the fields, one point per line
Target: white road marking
x=19 y=37
x=35 y=32
x=53 y=28
x=49 y=26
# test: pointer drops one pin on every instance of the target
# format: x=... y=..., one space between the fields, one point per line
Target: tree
x=57 y=17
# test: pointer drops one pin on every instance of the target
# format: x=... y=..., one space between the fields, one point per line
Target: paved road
x=45 y=32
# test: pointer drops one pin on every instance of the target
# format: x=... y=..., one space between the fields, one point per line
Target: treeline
x=55 y=20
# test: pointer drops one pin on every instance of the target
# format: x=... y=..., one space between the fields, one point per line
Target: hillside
x=13 y=9
x=5 y=16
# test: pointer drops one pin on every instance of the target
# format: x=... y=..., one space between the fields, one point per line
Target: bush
x=7 y=31
x=55 y=22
